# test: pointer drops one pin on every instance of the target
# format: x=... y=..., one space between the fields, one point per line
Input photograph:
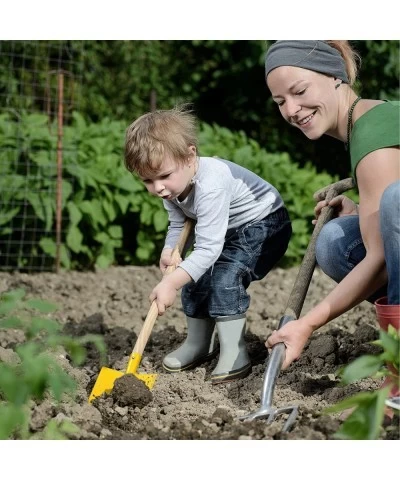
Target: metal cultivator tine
x=274 y=365
x=292 y=312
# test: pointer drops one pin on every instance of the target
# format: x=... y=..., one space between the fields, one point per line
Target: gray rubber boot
x=234 y=361
x=199 y=346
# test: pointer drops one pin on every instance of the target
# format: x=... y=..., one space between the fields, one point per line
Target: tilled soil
x=114 y=303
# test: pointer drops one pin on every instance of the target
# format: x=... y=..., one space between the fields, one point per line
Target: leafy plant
x=108 y=216
x=36 y=374
x=365 y=421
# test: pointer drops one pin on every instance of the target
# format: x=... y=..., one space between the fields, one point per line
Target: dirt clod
x=130 y=391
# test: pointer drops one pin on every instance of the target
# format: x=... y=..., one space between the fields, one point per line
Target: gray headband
x=313 y=55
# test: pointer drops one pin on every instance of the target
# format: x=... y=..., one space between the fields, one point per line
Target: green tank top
x=377 y=128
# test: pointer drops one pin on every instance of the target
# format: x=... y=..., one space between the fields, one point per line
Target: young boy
x=242 y=231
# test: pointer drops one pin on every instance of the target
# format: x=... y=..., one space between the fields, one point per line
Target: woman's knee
x=328 y=246
x=390 y=208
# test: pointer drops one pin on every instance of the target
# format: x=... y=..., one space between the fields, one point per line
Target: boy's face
x=173 y=179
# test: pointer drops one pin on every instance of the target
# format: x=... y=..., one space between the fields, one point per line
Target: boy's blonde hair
x=155 y=134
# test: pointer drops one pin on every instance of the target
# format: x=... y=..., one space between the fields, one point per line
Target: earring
x=338 y=85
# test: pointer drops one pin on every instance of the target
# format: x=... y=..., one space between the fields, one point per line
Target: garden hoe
x=292 y=312
x=107 y=376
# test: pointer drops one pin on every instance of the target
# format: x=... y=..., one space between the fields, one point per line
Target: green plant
x=365 y=421
x=35 y=374
x=108 y=216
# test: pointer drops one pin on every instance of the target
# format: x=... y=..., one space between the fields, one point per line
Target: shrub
x=35 y=374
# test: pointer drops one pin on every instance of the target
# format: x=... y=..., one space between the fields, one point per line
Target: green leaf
x=76 y=351
x=362 y=367
x=64 y=257
x=115 y=231
x=390 y=345
x=59 y=382
x=41 y=325
x=36 y=201
x=7 y=216
x=109 y=210
x=66 y=192
x=55 y=430
x=75 y=214
x=146 y=214
x=102 y=237
x=48 y=209
x=160 y=220
x=364 y=423
x=143 y=253
x=41 y=305
x=74 y=239
x=122 y=202
x=11 y=322
x=12 y=388
x=10 y=300
x=129 y=184
x=12 y=420
x=43 y=158
x=102 y=261
x=48 y=245
x=94 y=210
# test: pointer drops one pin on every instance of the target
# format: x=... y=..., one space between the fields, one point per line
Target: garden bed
x=114 y=303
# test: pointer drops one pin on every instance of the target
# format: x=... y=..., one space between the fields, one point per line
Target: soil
x=114 y=303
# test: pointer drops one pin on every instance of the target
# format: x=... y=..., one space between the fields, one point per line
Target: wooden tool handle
x=303 y=279
x=334 y=189
x=178 y=251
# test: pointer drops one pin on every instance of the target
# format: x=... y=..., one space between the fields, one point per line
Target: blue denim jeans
x=249 y=253
x=340 y=247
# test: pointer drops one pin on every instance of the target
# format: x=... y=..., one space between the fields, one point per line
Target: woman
x=311 y=82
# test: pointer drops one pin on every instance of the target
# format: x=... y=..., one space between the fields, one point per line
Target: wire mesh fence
x=39 y=90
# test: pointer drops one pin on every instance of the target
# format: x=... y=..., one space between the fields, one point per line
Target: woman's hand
x=294 y=335
x=342 y=205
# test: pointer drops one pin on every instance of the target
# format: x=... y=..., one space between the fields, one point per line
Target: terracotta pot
x=388 y=315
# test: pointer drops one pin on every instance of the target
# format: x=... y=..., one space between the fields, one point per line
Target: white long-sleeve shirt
x=224 y=196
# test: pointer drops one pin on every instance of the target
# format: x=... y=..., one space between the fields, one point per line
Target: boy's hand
x=343 y=206
x=164 y=294
x=166 y=259
x=294 y=335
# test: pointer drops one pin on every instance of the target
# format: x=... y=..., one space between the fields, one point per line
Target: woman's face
x=306 y=99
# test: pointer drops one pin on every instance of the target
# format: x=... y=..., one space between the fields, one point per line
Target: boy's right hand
x=164 y=294
x=166 y=259
x=343 y=206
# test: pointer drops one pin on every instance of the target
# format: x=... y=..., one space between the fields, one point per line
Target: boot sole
x=194 y=364
x=230 y=376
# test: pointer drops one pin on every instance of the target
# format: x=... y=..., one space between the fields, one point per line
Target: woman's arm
x=375 y=172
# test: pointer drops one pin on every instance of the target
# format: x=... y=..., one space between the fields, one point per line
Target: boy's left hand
x=164 y=294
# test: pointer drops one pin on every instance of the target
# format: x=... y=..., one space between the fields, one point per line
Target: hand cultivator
x=107 y=376
x=292 y=312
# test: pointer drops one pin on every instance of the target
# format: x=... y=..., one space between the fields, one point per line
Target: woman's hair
x=351 y=58
x=156 y=134
x=335 y=58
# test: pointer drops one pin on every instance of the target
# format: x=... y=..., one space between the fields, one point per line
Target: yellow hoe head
x=107 y=376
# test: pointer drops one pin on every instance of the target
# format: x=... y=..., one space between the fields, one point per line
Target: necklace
x=350 y=121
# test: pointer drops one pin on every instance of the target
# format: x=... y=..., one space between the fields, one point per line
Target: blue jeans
x=340 y=247
x=249 y=253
